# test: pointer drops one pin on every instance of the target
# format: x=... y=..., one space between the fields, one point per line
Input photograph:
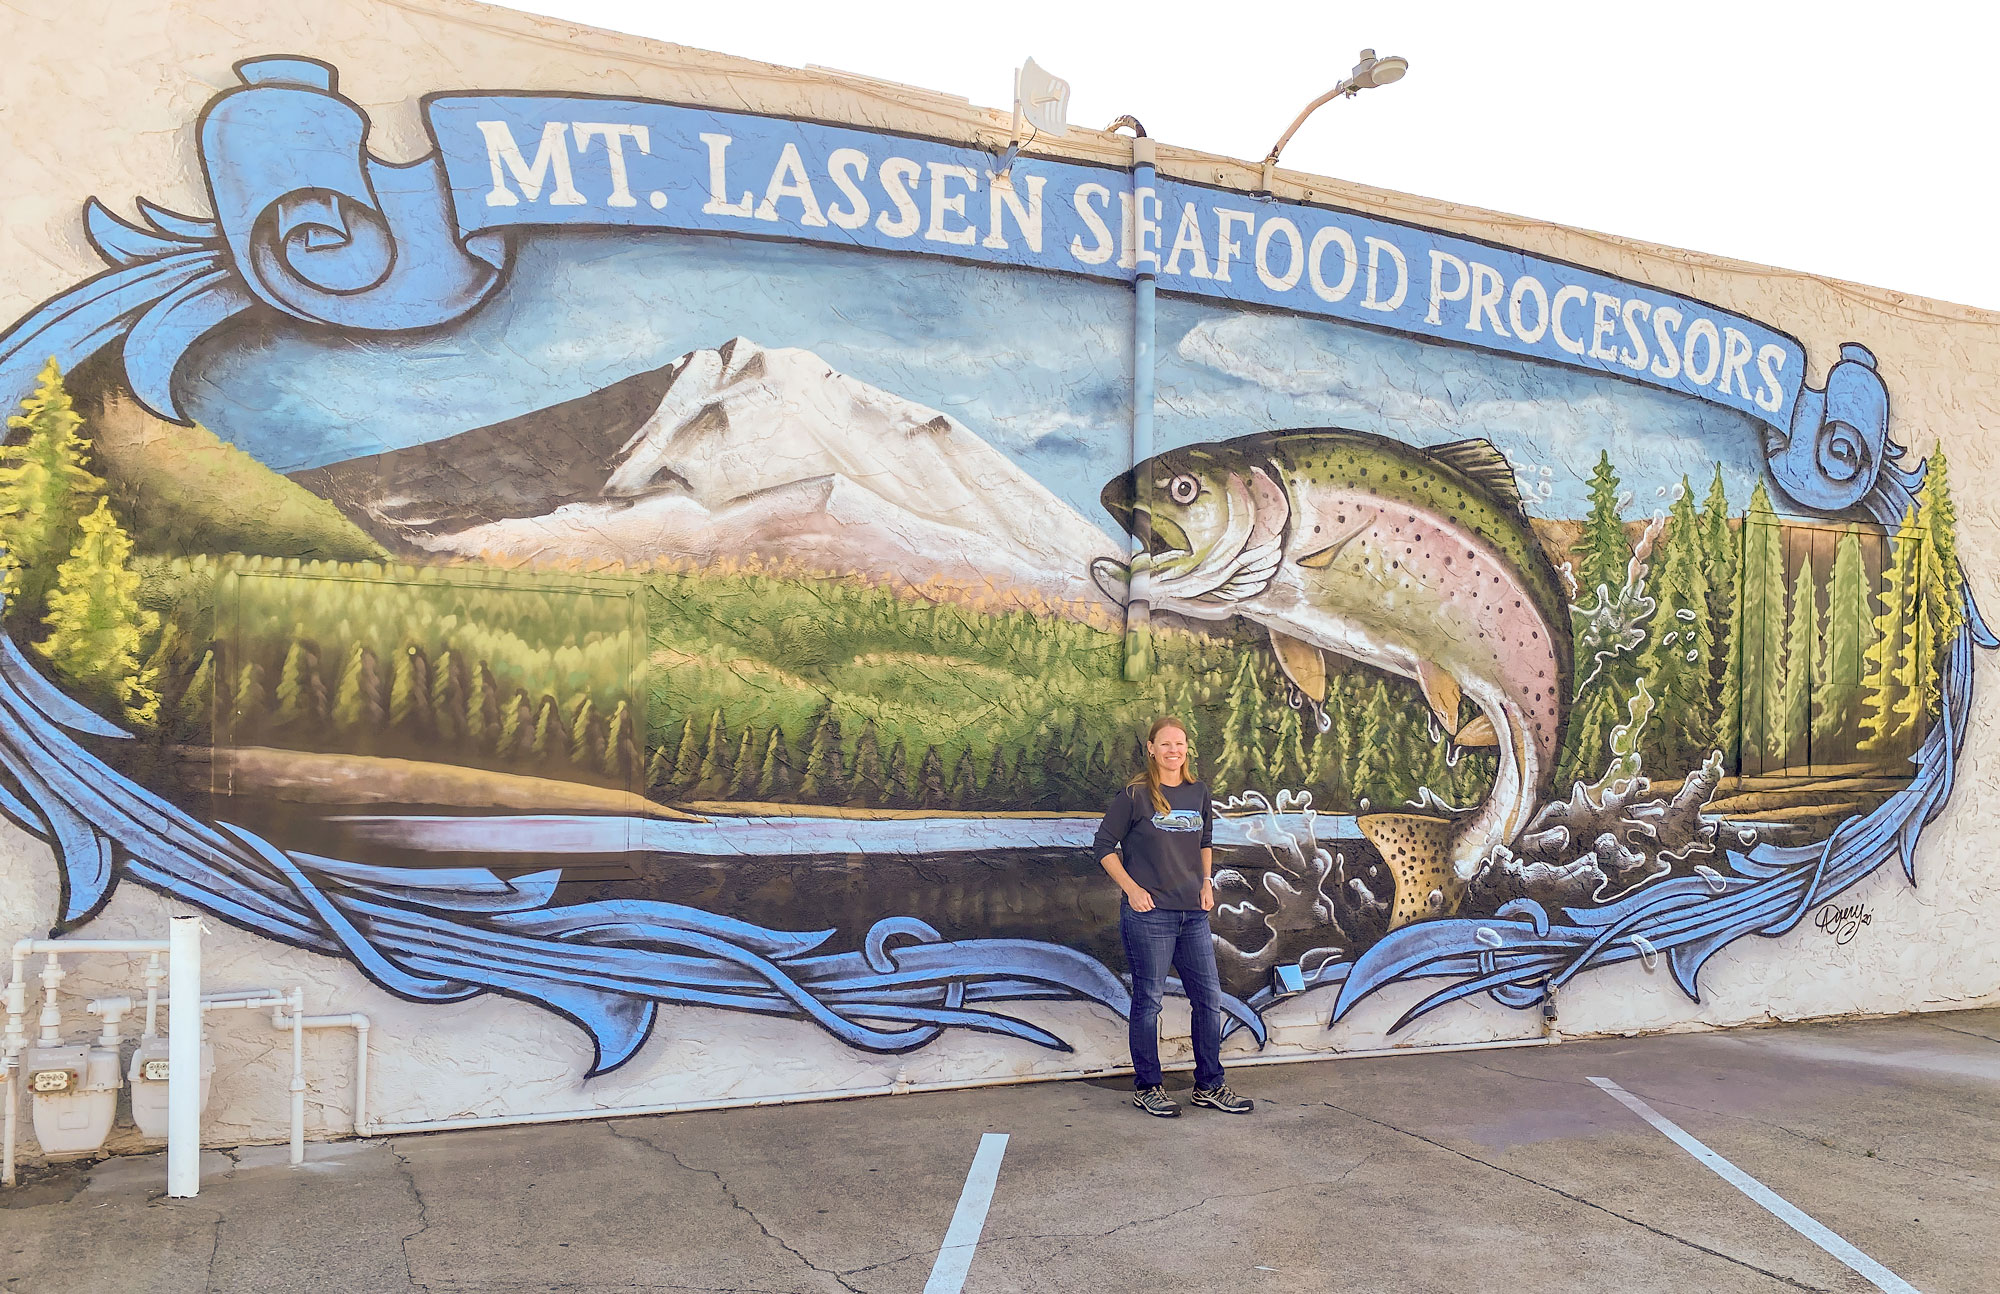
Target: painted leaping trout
x=1417 y=562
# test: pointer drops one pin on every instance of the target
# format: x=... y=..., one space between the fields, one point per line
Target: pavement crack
x=1967 y=1032
x=729 y=1194
x=404 y=1167
x=1527 y=1078
x=214 y=1248
x=1578 y=1199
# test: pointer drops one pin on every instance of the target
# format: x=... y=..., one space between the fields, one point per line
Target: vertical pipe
x=184 y=1057
x=1146 y=258
x=298 y=1075
x=360 y=1075
x=8 y=1068
x=154 y=974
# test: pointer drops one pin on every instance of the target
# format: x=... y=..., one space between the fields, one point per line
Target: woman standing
x=1155 y=842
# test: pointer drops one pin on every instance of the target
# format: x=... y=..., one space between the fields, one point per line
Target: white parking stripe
x=962 y=1237
x=1875 y=1273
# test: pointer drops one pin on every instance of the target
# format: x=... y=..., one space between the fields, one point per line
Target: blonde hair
x=1149 y=776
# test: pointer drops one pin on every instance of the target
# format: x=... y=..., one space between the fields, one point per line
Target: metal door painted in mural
x=567 y=578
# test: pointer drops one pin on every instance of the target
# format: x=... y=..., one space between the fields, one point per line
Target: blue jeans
x=1155 y=941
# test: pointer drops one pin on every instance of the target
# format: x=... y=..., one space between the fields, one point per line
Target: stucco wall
x=119 y=122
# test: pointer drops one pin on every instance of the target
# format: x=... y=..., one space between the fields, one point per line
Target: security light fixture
x=1367 y=74
x=1041 y=102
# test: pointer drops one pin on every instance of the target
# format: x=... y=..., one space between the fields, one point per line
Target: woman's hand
x=1207 y=895
x=1140 y=900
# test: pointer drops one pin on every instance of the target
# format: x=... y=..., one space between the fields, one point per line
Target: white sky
x=1848 y=140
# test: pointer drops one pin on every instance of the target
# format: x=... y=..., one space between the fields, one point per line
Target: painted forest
x=1791 y=647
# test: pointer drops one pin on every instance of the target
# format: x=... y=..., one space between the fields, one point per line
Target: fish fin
x=1322 y=559
x=1483 y=462
x=1273 y=510
x=1113 y=578
x=1477 y=733
x=1303 y=665
x=1441 y=691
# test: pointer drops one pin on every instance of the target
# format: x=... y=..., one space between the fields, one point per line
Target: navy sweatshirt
x=1161 y=852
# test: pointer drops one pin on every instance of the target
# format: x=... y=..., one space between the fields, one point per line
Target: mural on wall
x=642 y=555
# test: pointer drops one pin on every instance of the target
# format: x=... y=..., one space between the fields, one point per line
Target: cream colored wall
x=114 y=117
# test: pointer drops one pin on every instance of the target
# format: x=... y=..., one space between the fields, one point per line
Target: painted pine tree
x=1241 y=765
x=686 y=760
x=402 y=686
x=1591 y=720
x=45 y=494
x=746 y=766
x=197 y=703
x=1287 y=760
x=895 y=776
x=712 y=782
x=962 y=792
x=1679 y=660
x=1331 y=748
x=290 y=693
x=515 y=713
x=583 y=743
x=1603 y=549
x=996 y=792
x=96 y=626
x=929 y=790
x=1793 y=734
x=166 y=662
x=444 y=711
x=1719 y=550
x=868 y=791
x=475 y=729
x=1376 y=752
x=350 y=702
x=1893 y=681
x=546 y=740
x=774 y=774
x=825 y=778
x=1939 y=576
x=1754 y=678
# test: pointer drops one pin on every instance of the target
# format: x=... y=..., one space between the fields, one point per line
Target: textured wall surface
x=1001 y=470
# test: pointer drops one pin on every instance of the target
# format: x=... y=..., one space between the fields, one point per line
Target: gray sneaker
x=1153 y=1100
x=1221 y=1098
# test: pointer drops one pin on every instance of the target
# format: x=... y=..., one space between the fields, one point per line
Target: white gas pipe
x=352 y=1020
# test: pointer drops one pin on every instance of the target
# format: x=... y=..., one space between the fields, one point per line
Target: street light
x=1367 y=74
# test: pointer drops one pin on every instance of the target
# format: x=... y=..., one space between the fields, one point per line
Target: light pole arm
x=1345 y=87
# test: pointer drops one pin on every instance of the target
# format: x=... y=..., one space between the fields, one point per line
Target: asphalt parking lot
x=1494 y=1170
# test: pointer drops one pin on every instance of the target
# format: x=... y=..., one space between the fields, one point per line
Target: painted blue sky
x=1036 y=363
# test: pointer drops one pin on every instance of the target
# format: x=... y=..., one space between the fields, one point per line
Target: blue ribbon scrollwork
x=306 y=222
x=1830 y=460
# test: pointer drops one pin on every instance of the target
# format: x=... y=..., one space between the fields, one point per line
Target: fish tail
x=1416 y=848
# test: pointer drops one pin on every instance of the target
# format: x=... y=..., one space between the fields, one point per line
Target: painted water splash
x=1304 y=890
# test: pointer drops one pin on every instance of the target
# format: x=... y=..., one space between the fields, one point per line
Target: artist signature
x=1843 y=923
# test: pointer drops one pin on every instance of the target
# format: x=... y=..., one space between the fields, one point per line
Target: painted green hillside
x=182 y=490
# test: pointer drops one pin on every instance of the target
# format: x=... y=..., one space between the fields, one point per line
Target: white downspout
x=184 y=1058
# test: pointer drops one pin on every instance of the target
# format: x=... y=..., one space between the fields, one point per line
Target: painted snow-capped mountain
x=725 y=453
